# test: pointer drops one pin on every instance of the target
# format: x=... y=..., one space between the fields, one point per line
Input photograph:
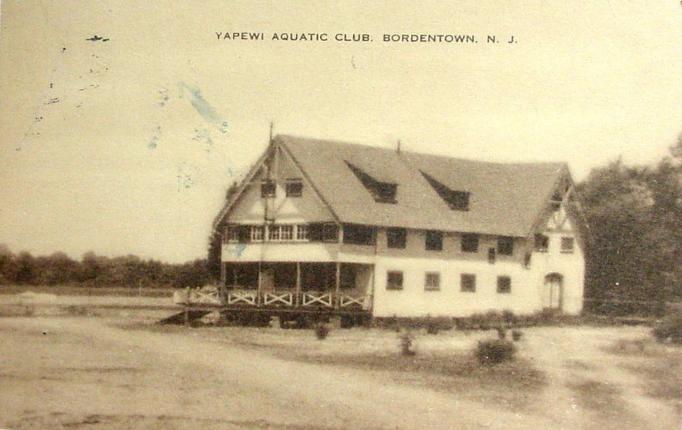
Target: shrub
x=491 y=352
x=670 y=328
x=407 y=344
x=516 y=335
x=434 y=325
x=321 y=331
x=508 y=317
x=501 y=333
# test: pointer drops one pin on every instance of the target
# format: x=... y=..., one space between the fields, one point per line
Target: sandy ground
x=84 y=372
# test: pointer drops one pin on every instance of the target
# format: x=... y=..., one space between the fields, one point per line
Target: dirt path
x=588 y=389
x=88 y=373
x=102 y=375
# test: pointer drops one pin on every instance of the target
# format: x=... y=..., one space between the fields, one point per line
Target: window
x=232 y=233
x=318 y=232
x=491 y=255
x=286 y=232
x=567 y=245
x=541 y=243
x=294 y=187
x=394 y=280
x=382 y=192
x=432 y=281
x=503 y=284
x=302 y=232
x=257 y=233
x=468 y=283
x=330 y=232
x=396 y=238
x=456 y=200
x=273 y=232
x=505 y=245
x=434 y=240
x=357 y=234
x=469 y=243
x=267 y=188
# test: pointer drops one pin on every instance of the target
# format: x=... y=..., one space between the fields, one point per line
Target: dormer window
x=294 y=187
x=381 y=191
x=268 y=188
x=456 y=200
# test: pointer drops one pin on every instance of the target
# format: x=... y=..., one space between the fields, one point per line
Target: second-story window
x=286 y=232
x=357 y=234
x=257 y=233
x=541 y=243
x=268 y=188
x=396 y=238
x=302 y=232
x=469 y=243
x=505 y=245
x=330 y=232
x=434 y=240
x=273 y=232
x=567 y=245
x=232 y=233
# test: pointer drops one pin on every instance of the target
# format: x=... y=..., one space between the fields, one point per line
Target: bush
x=501 y=333
x=434 y=325
x=509 y=317
x=321 y=331
x=491 y=352
x=516 y=335
x=670 y=328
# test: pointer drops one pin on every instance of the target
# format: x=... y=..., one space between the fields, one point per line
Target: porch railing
x=275 y=299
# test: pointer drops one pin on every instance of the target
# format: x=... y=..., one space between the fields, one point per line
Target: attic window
x=267 y=188
x=382 y=192
x=456 y=200
x=294 y=187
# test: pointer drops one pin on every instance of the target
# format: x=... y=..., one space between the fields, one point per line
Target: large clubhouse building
x=395 y=233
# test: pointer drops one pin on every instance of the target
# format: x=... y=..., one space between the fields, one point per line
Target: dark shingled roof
x=505 y=199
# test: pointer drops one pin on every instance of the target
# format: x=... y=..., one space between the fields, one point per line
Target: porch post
x=223 y=274
x=338 y=282
x=297 y=291
x=258 y=288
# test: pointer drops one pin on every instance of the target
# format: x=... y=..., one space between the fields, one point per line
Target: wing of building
x=335 y=225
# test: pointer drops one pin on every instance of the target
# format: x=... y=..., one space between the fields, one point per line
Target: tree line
x=633 y=232
x=98 y=271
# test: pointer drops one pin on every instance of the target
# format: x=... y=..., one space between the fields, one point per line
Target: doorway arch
x=553 y=291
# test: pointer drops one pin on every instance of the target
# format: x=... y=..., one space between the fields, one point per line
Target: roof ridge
x=315 y=140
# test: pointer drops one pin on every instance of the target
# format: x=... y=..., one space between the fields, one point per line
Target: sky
x=127 y=145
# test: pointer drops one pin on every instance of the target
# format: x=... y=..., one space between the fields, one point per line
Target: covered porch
x=300 y=285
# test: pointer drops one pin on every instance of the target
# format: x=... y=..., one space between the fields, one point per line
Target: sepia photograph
x=331 y=215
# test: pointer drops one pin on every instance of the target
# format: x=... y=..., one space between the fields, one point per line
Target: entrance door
x=553 y=291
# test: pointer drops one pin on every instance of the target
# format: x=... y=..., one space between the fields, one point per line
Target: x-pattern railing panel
x=325 y=299
x=236 y=297
x=277 y=298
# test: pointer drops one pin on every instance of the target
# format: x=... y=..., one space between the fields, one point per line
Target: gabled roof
x=505 y=199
